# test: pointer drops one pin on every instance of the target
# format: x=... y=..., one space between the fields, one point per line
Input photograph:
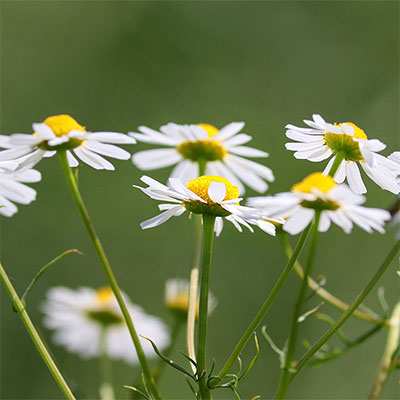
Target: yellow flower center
x=200 y=187
x=343 y=143
x=210 y=129
x=324 y=183
x=63 y=124
x=104 y=296
x=203 y=150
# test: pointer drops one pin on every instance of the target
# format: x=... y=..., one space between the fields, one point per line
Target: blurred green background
x=115 y=65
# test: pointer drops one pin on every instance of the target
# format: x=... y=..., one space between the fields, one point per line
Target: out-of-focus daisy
x=177 y=298
x=13 y=190
x=62 y=132
x=347 y=140
x=337 y=203
x=88 y=322
x=204 y=195
x=221 y=151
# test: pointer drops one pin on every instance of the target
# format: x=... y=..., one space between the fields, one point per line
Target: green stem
x=265 y=307
x=346 y=315
x=392 y=344
x=109 y=273
x=176 y=329
x=193 y=287
x=339 y=157
x=41 y=348
x=208 y=229
x=294 y=326
x=324 y=294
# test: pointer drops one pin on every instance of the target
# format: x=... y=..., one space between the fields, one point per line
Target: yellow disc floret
x=104 y=296
x=344 y=143
x=317 y=180
x=200 y=187
x=210 y=129
x=63 y=124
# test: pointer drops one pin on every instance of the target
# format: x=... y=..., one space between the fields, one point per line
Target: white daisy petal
x=93 y=159
x=299 y=221
x=229 y=130
x=217 y=191
x=158 y=158
x=107 y=150
x=354 y=178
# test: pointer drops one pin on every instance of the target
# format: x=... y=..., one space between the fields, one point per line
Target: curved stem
x=339 y=157
x=347 y=314
x=265 y=307
x=208 y=229
x=294 y=326
x=193 y=288
x=41 y=348
x=109 y=273
x=392 y=344
x=324 y=294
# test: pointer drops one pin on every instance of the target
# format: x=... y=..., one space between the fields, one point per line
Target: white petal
x=29 y=175
x=72 y=161
x=299 y=221
x=110 y=137
x=217 y=191
x=93 y=159
x=185 y=170
x=219 y=224
x=107 y=150
x=237 y=140
x=229 y=130
x=7 y=208
x=161 y=218
x=247 y=151
x=354 y=178
x=157 y=158
x=340 y=175
x=58 y=140
x=219 y=169
x=43 y=131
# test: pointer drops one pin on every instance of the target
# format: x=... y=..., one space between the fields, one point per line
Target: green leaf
x=136 y=390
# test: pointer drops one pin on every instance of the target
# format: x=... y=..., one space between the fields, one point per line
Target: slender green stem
x=41 y=348
x=324 y=294
x=392 y=344
x=265 y=307
x=335 y=166
x=208 y=229
x=346 y=315
x=193 y=288
x=176 y=329
x=294 y=326
x=106 y=386
x=109 y=273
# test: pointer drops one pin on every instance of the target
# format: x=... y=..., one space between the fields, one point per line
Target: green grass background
x=115 y=65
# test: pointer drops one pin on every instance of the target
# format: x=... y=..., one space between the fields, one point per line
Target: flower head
x=318 y=192
x=88 y=322
x=204 y=195
x=62 y=132
x=177 y=298
x=188 y=146
x=12 y=188
x=323 y=140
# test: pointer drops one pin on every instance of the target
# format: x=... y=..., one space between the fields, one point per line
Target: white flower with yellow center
x=89 y=323
x=347 y=140
x=221 y=151
x=62 y=132
x=318 y=192
x=177 y=298
x=12 y=188
x=204 y=195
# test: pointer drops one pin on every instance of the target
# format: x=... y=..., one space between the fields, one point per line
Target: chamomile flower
x=204 y=195
x=89 y=322
x=323 y=140
x=221 y=150
x=62 y=132
x=318 y=192
x=12 y=188
x=177 y=298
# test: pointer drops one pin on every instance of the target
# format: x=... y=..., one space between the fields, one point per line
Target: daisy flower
x=337 y=204
x=62 y=132
x=346 y=140
x=12 y=188
x=204 y=195
x=177 y=298
x=221 y=151
x=88 y=322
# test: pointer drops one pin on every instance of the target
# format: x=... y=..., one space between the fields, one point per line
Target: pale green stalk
x=264 y=308
x=41 y=348
x=347 y=314
x=294 y=326
x=208 y=229
x=338 y=160
x=392 y=345
x=109 y=273
x=324 y=294
x=106 y=386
